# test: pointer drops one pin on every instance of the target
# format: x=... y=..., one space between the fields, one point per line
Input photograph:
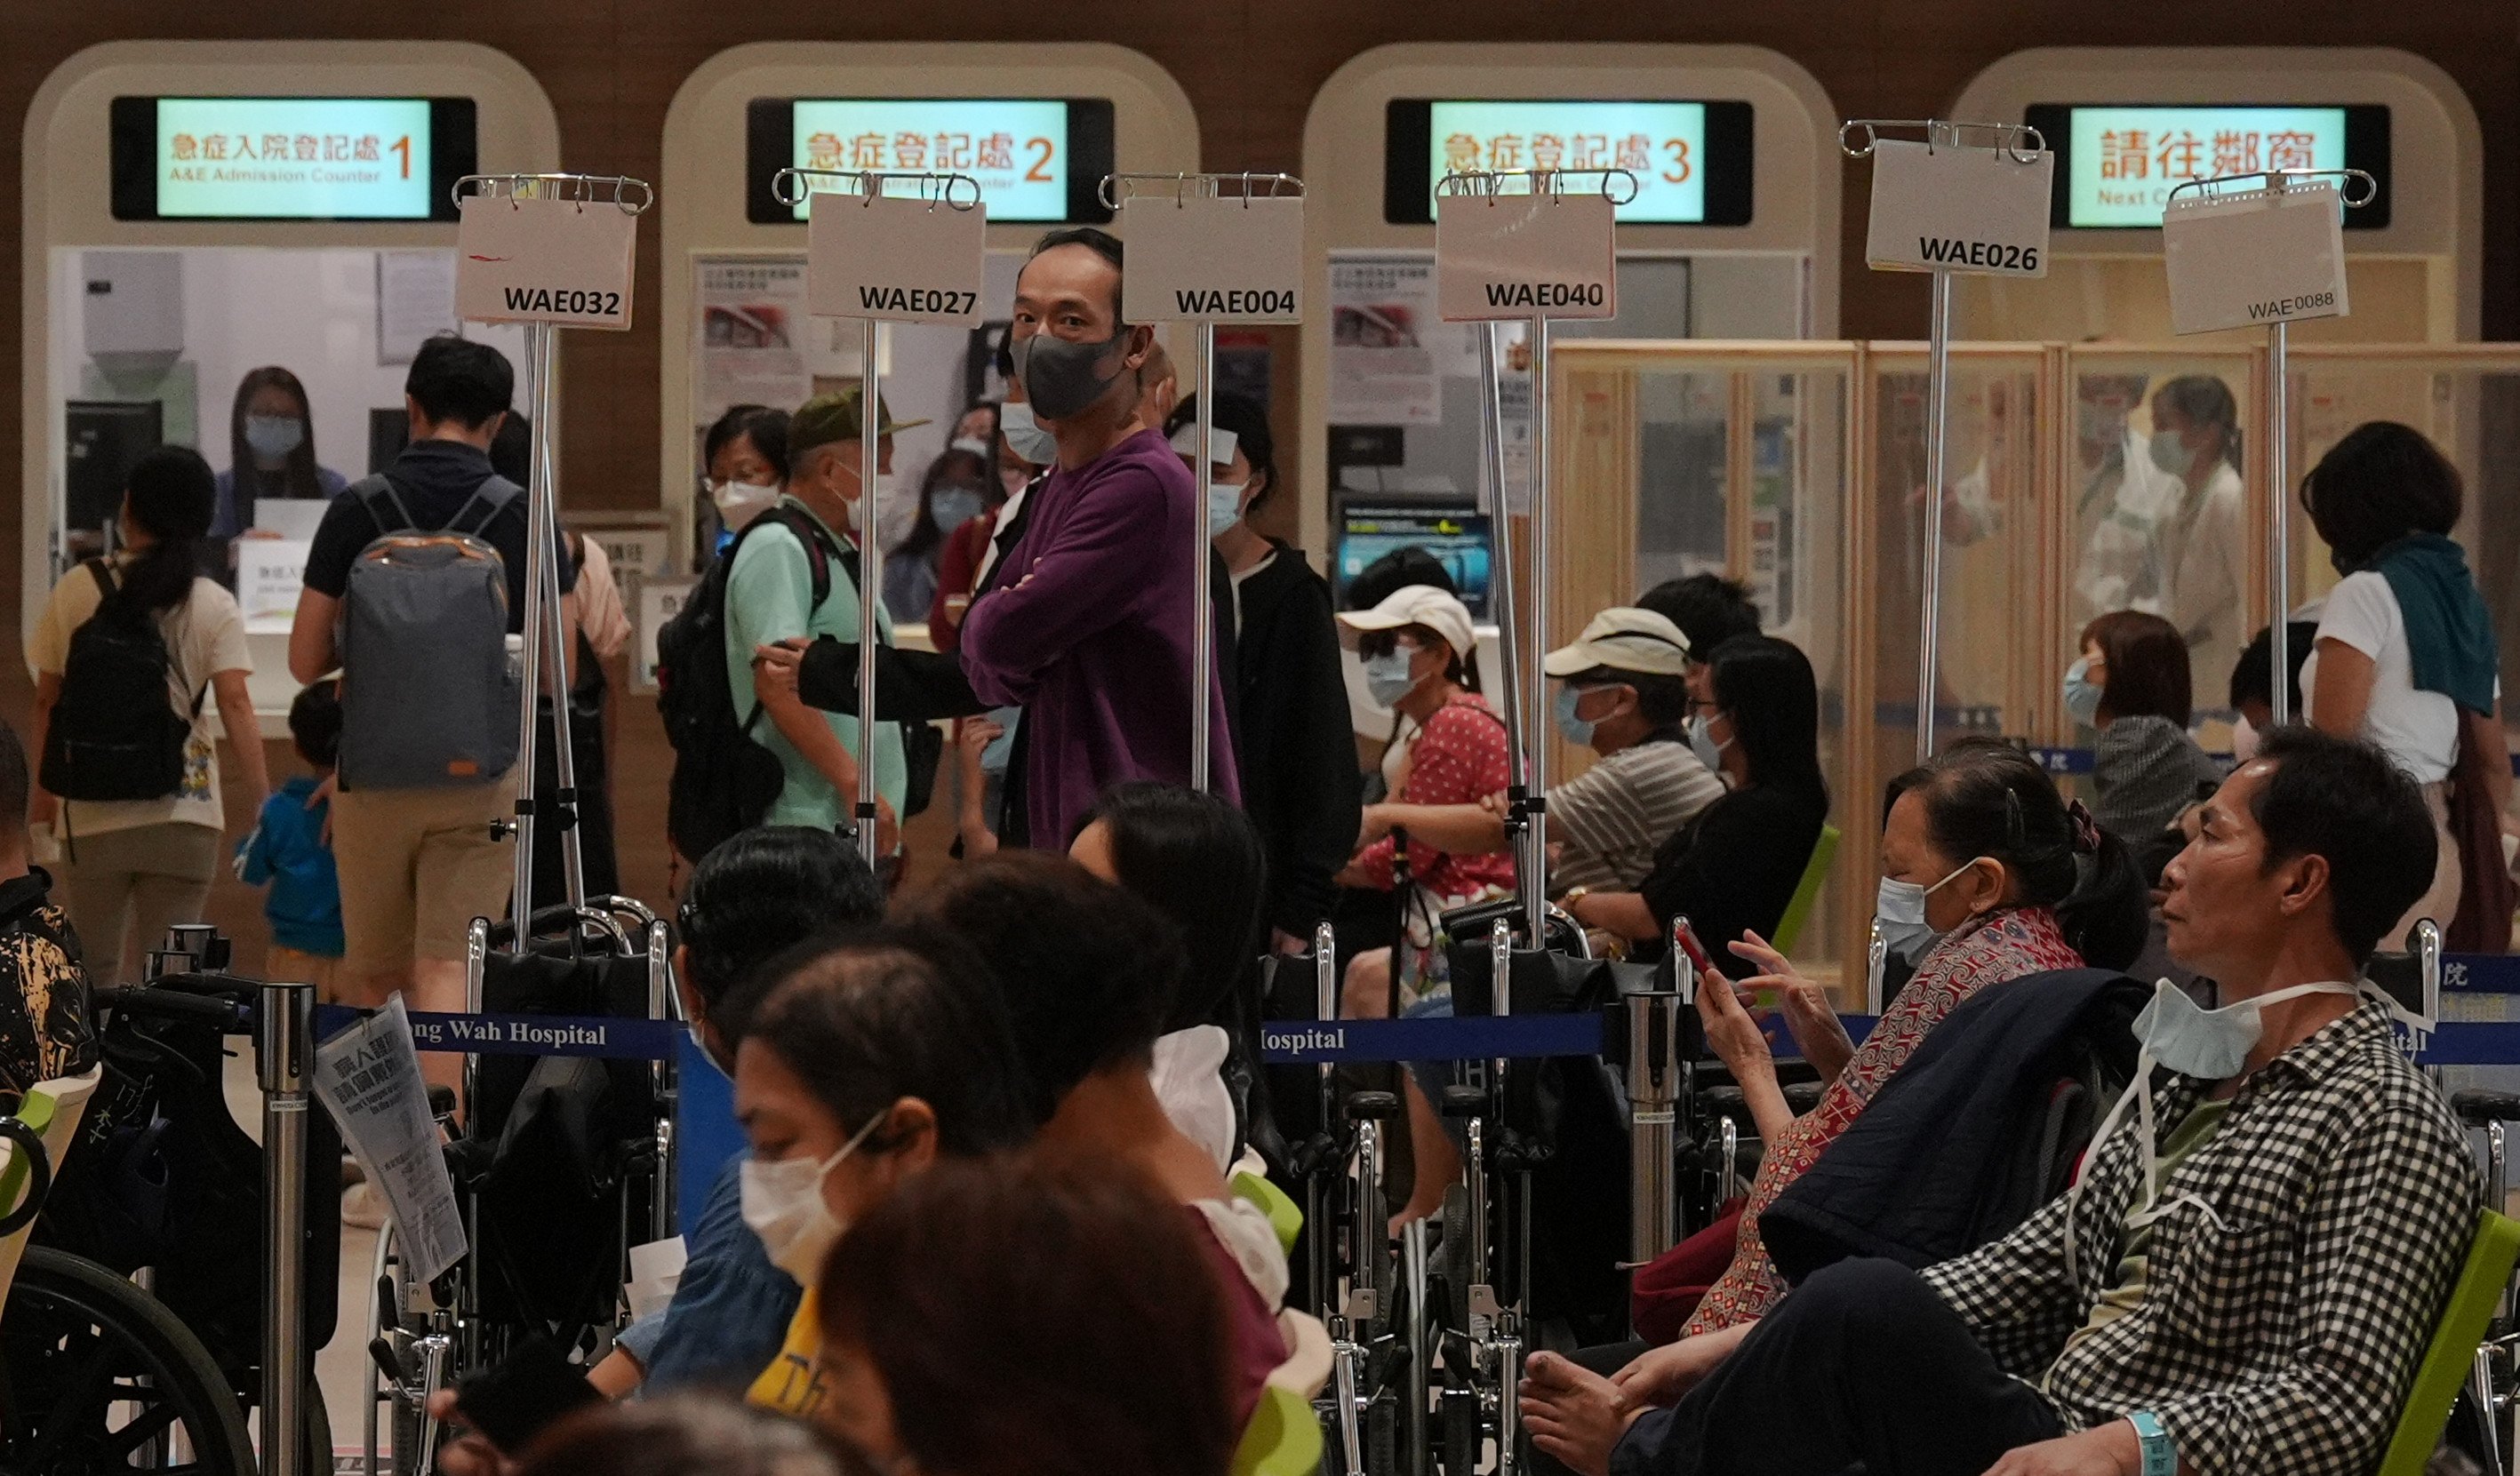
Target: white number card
x=1955 y=208
x=1213 y=259
x=2260 y=257
x=895 y=258
x=565 y=262
x=1507 y=256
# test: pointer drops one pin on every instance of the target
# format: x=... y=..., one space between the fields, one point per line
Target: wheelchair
x=561 y=1164
x=134 y=1330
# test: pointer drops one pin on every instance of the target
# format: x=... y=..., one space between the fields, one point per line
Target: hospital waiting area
x=1281 y=741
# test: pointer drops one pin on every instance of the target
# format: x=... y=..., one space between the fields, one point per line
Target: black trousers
x=1862 y=1369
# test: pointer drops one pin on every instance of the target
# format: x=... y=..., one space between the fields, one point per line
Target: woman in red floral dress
x=1999 y=878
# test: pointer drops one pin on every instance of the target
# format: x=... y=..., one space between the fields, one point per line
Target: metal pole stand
x=284 y=1056
x=1653 y=1087
x=2280 y=426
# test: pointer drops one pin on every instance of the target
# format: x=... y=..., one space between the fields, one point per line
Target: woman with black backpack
x=126 y=651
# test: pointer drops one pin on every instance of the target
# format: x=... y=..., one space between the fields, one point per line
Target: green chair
x=1284 y=1437
x=2450 y=1358
x=1806 y=891
x=1285 y=1216
x=51 y=1111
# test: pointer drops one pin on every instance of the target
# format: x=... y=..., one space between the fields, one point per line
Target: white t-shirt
x=2417 y=729
x=204 y=636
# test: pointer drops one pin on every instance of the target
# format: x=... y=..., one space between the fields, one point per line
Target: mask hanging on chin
x=1064 y=379
x=2207 y=1045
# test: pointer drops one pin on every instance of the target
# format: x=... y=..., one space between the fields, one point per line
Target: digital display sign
x=1691 y=160
x=2119 y=162
x=289 y=158
x=1036 y=159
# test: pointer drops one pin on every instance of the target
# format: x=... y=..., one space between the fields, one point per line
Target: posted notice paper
x=369 y=1077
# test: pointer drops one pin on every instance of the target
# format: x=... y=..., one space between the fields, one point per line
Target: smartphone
x=514 y=1400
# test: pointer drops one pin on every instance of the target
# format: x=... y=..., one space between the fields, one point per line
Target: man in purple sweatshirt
x=1089 y=630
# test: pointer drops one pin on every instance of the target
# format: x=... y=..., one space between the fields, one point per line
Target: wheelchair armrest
x=2477 y=1108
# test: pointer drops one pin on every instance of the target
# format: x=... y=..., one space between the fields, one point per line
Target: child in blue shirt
x=288 y=849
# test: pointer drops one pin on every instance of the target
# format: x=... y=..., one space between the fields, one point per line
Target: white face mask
x=2209 y=1045
x=739 y=502
x=783 y=1204
x=1899 y=908
x=2244 y=739
x=1024 y=435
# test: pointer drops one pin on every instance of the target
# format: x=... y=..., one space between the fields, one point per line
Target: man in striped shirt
x=1624 y=693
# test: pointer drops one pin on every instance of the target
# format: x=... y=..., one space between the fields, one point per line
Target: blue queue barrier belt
x=607 y=1035
x=1304 y=1043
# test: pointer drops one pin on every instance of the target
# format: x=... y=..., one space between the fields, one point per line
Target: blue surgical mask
x=2170 y=452
x=1701 y=742
x=1387 y=677
x=1224 y=507
x=1572 y=729
x=1899 y=910
x=1025 y=436
x=2209 y=1045
x=999 y=752
x=953 y=506
x=2082 y=695
x=274 y=436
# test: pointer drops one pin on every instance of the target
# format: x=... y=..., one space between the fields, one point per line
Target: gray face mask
x=1062 y=378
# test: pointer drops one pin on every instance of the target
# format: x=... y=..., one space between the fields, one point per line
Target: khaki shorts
x=416 y=867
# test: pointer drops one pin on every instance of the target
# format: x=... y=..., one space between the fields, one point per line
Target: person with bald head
x=1089 y=628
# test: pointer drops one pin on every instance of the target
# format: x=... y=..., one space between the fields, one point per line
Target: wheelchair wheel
x=95 y=1373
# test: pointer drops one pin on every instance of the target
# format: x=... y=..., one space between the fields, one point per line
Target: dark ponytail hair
x=1198 y=860
x=2206 y=401
x=169 y=496
x=1765 y=687
x=1984 y=797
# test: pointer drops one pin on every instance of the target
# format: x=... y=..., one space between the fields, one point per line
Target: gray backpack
x=427 y=697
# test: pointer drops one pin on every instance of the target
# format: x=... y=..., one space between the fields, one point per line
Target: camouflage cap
x=837 y=417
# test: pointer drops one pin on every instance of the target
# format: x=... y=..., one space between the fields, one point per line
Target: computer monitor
x=1453 y=534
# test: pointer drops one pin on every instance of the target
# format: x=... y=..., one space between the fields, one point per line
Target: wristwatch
x=2160 y=1458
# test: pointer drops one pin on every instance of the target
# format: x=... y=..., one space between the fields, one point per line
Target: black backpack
x=114 y=734
x=724 y=780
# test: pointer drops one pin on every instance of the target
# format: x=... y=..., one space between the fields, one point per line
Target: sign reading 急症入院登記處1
x=294 y=158
x=527 y=259
x=1215 y=259
x=1522 y=256
x=1952 y=207
x=896 y=258
x=2254 y=258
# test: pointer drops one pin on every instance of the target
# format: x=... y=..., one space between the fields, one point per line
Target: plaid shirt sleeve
x=2382 y=1236
x=2014 y=1294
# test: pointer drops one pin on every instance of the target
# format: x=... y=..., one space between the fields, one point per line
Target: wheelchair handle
x=227 y=1016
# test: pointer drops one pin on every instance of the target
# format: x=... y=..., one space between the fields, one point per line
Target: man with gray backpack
x=414 y=583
